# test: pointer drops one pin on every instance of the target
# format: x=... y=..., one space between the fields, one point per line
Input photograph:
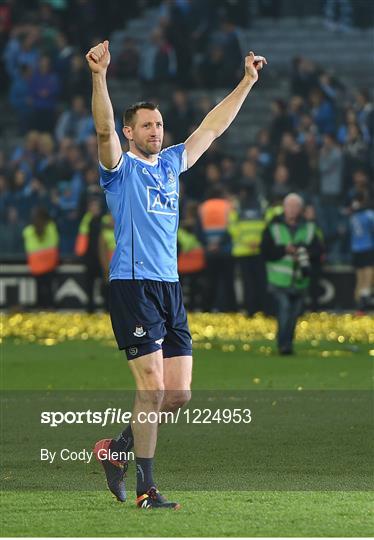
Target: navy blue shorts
x=148 y=316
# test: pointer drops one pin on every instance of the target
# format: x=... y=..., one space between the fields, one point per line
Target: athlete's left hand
x=253 y=64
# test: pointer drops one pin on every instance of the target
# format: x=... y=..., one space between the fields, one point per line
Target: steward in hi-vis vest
x=289 y=244
x=41 y=248
x=106 y=247
x=288 y=271
x=213 y=214
x=246 y=226
x=81 y=242
x=191 y=256
x=107 y=243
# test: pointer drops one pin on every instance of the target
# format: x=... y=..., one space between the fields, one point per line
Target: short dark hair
x=131 y=111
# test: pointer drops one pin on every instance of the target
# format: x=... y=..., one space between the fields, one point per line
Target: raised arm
x=110 y=150
x=219 y=118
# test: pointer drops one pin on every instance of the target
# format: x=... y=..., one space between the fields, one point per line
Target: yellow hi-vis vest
x=191 y=258
x=286 y=272
x=272 y=212
x=42 y=253
x=108 y=235
x=245 y=234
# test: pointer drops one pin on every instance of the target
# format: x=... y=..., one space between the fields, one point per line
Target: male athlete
x=146 y=307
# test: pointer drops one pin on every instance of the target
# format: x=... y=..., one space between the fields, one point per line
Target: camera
x=303 y=260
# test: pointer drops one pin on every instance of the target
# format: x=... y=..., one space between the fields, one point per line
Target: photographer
x=289 y=243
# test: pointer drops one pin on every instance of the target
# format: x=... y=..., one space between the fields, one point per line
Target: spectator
x=304 y=77
x=338 y=15
x=228 y=37
x=365 y=115
x=323 y=112
x=305 y=128
x=90 y=149
x=25 y=154
x=90 y=188
x=331 y=192
x=326 y=84
x=11 y=239
x=158 y=60
x=63 y=57
x=178 y=117
x=361 y=188
x=331 y=169
x=126 y=66
x=294 y=157
x=76 y=123
x=229 y=171
x=44 y=91
x=281 y=122
x=46 y=168
x=249 y=179
x=288 y=245
x=253 y=154
x=36 y=194
x=296 y=109
x=214 y=72
x=20 y=98
x=355 y=150
x=18 y=196
x=4 y=197
x=264 y=147
x=349 y=119
x=362 y=246
x=281 y=185
x=312 y=152
x=78 y=79
x=213 y=176
x=21 y=50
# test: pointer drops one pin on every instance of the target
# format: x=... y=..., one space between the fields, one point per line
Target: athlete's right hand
x=98 y=57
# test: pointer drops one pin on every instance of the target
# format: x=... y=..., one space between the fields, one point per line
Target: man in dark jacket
x=289 y=244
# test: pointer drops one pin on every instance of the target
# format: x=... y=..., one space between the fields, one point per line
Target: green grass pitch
x=221 y=505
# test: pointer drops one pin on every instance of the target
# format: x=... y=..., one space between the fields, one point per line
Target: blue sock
x=144 y=475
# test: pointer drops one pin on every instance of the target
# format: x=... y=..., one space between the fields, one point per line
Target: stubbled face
x=147 y=132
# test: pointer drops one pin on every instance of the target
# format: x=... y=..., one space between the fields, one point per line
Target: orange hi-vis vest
x=81 y=242
x=42 y=253
x=214 y=214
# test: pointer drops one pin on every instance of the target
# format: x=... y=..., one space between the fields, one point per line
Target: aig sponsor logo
x=161 y=202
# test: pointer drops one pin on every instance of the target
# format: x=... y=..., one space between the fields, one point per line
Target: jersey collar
x=134 y=156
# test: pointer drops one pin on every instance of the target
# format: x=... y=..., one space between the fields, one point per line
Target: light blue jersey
x=143 y=199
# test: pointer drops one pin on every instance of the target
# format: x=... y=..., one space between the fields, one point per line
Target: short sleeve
x=177 y=156
x=111 y=179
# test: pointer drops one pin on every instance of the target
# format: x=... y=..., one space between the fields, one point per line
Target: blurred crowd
x=318 y=142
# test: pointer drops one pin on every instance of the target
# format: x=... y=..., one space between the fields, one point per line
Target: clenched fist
x=98 y=57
